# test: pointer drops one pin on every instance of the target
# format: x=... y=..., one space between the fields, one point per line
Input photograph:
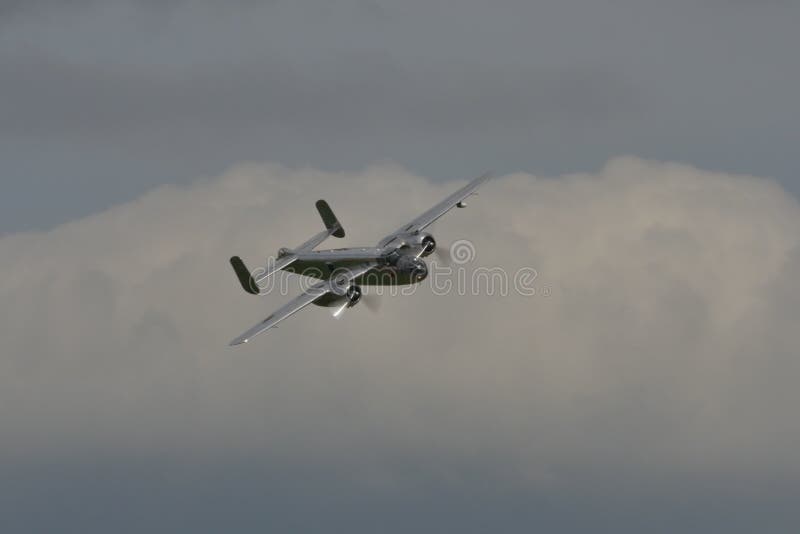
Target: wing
x=287 y=310
x=342 y=279
x=444 y=206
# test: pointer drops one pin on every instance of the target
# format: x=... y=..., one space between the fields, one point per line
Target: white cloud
x=667 y=344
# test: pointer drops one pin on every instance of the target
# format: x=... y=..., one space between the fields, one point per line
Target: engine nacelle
x=428 y=244
x=415 y=268
x=422 y=240
x=353 y=295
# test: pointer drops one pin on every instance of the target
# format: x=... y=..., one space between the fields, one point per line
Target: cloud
x=659 y=351
x=666 y=341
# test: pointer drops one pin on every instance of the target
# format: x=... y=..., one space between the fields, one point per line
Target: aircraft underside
x=383 y=275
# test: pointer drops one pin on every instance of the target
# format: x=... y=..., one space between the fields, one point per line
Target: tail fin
x=244 y=276
x=331 y=222
x=332 y=228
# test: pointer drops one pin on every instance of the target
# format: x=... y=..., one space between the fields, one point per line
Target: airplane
x=396 y=260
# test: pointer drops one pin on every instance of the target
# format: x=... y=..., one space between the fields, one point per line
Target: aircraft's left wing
x=337 y=284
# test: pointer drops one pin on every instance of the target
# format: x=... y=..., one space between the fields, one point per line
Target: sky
x=102 y=101
x=644 y=379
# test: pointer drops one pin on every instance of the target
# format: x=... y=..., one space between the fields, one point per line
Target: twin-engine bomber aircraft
x=397 y=260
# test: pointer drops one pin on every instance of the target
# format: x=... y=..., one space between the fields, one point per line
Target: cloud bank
x=658 y=357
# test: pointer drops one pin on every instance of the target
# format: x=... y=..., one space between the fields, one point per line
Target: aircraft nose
x=421 y=272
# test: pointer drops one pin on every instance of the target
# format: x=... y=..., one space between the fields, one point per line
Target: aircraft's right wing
x=338 y=284
x=444 y=206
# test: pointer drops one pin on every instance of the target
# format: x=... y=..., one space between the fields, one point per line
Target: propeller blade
x=338 y=312
x=441 y=252
x=443 y=256
x=372 y=302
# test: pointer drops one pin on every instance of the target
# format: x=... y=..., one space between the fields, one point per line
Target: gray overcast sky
x=650 y=384
x=102 y=100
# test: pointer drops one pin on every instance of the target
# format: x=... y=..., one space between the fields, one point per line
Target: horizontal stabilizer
x=314 y=241
x=277 y=265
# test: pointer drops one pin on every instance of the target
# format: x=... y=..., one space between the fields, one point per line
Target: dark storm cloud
x=12 y=6
x=341 y=95
x=11 y=10
x=149 y=96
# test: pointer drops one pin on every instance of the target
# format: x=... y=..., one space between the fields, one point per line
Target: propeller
x=441 y=251
x=443 y=256
x=372 y=302
x=339 y=312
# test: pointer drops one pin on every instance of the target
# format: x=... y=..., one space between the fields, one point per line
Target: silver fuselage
x=324 y=264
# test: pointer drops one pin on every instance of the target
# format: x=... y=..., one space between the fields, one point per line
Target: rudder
x=329 y=219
